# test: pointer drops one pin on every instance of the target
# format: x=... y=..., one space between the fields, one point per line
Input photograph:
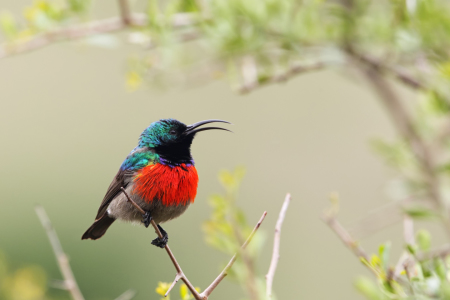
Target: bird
x=159 y=175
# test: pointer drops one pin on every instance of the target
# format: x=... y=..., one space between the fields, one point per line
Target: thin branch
x=276 y=246
x=180 y=274
x=345 y=237
x=125 y=12
x=405 y=259
x=80 y=31
x=396 y=71
x=62 y=259
x=281 y=77
x=408 y=230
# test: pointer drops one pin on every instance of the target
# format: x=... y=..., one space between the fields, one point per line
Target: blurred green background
x=67 y=122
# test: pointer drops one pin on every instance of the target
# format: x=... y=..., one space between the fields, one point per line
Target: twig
x=128 y=295
x=88 y=29
x=398 y=73
x=62 y=259
x=408 y=230
x=180 y=274
x=405 y=258
x=345 y=237
x=281 y=77
x=276 y=247
x=125 y=12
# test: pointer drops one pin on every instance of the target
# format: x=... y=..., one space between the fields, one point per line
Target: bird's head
x=172 y=140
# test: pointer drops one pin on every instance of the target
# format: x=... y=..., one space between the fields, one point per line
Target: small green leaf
x=420 y=213
x=423 y=238
x=440 y=268
x=383 y=252
x=411 y=249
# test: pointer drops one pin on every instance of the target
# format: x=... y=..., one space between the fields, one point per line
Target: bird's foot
x=146 y=219
x=161 y=242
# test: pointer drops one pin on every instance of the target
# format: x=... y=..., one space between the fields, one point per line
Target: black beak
x=193 y=128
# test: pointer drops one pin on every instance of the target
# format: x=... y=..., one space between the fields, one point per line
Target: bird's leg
x=161 y=242
x=146 y=219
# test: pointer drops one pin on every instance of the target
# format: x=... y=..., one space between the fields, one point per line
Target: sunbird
x=159 y=175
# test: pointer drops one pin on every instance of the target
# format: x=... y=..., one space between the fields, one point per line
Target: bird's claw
x=160 y=242
x=146 y=219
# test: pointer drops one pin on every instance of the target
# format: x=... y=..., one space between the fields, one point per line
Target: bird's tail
x=98 y=229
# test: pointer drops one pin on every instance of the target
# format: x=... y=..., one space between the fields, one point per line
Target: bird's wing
x=136 y=160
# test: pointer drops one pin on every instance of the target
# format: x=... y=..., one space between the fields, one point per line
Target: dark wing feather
x=122 y=179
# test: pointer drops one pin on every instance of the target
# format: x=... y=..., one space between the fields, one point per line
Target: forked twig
x=63 y=262
x=276 y=247
x=180 y=274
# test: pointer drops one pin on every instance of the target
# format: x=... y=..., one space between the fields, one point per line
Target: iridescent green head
x=172 y=139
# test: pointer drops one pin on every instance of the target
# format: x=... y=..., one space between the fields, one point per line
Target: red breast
x=171 y=185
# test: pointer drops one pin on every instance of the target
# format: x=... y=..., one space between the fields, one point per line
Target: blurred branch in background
x=276 y=247
x=35 y=36
x=282 y=39
x=329 y=217
x=70 y=284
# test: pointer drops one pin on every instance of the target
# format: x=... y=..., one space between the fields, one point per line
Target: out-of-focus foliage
x=227 y=230
x=42 y=16
x=26 y=283
x=413 y=276
x=252 y=41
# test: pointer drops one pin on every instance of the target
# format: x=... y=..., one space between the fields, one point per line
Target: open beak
x=193 y=128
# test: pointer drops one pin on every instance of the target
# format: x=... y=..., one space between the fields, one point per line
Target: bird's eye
x=172 y=131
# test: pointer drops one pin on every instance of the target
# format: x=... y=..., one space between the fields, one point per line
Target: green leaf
x=440 y=268
x=411 y=249
x=420 y=213
x=423 y=238
x=383 y=252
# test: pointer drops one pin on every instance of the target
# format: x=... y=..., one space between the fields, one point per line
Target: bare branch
x=125 y=12
x=128 y=295
x=79 y=31
x=405 y=259
x=396 y=71
x=276 y=246
x=408 y=230
x=180 y=274
x=63 y=262
x=345 y=237
x=293 y=71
